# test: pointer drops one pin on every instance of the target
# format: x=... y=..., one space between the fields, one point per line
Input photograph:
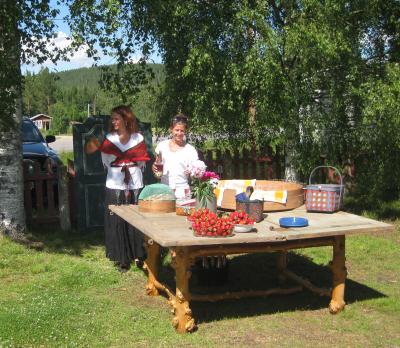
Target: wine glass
x=159 y=166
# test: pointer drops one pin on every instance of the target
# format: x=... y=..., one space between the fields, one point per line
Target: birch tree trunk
x=290 y=170
x=12 y=213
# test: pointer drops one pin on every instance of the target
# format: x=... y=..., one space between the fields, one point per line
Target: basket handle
x=337 y=170
x=341 y=179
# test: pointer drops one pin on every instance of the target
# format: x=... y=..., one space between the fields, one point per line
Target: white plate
x=243 y=228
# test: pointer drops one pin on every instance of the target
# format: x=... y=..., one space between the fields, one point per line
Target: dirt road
x=63 y=143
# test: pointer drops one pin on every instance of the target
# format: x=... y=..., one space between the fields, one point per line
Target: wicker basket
x=156 y=206
x=325 y=198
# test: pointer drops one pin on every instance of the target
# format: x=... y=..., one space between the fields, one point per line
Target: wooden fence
x=46 y=197
x=243 y=164
x=40 y=193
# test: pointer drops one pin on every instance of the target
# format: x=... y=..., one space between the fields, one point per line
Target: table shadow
x=258 y=272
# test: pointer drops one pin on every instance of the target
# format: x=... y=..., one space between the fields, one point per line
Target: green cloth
x=157 y=192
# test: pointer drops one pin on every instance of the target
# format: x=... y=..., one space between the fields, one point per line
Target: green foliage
x=308 y=68
x=203 y=190
x=379 y=139
x=26 y=30
x=39 y=92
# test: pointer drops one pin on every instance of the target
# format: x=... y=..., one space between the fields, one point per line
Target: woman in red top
x=124 y=154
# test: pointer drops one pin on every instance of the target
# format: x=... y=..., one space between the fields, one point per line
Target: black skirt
x=124 y=243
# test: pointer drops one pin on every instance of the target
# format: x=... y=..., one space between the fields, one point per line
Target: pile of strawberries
x=206 y=223
x=240 y=218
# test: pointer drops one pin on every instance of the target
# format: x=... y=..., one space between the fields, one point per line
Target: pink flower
x=209 y=175
x=196 y=169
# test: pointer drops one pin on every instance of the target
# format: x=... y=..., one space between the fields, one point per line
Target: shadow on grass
x=258 y=272
x=53 y=240
x=246 y=272
x=380 y=210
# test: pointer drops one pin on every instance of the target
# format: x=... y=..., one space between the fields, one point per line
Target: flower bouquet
x=203 y=182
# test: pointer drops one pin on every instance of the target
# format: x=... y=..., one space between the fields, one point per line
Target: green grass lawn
x=69 y=295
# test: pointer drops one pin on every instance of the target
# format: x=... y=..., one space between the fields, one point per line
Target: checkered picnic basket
x=326 y=198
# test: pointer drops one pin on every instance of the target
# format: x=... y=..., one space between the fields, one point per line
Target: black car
x=36 y=148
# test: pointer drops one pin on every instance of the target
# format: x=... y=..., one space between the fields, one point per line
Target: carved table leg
x=281 y=264
x=183 y=321
x=151 y=265
x=339 y=275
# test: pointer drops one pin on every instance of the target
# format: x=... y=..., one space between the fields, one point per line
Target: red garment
x=125 y=159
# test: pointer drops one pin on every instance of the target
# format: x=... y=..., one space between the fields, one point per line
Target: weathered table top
x=170 y=230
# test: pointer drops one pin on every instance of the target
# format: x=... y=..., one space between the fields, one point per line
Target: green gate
x=90 y=175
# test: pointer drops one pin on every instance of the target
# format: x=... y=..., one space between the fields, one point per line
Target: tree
x=302 y=64
x=12 y=215
x=284 y=73
x=25 y=28
x=39 y=92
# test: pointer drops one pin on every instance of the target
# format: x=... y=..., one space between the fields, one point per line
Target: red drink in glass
x=159 y=167
x=158 y=164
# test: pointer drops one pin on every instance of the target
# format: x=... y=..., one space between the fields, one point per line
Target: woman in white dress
x=176 y=154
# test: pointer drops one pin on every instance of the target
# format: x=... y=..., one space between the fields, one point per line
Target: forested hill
x=69 y=96
x=90 y=77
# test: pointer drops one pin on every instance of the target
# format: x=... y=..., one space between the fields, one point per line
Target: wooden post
x=237 y=163
x=151 y=265
x=38 y=189
x=51 y=206
x=339 y=275
x=219 y=164
x=281 y=265
x=245 y=162
x=270 y=172
x=63 y=200
x=28 y=200
x=183 y=320
x=228 y=165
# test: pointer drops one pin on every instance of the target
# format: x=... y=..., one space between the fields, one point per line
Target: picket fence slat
x=28 y=200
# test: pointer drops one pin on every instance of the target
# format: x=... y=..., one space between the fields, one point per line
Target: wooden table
x=172 y=231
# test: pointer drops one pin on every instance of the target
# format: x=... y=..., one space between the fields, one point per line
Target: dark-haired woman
x=176 y=155
x=124 y=154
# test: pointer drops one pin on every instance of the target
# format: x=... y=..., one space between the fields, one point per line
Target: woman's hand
x=92 y=145
x=154 y=168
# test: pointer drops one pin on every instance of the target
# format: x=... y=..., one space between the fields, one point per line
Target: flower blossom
x=209 y=175
x=196 y=169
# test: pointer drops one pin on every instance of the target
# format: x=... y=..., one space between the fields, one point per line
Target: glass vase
x=207 y=202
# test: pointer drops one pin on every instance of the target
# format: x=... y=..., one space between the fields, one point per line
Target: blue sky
x=79 y=59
